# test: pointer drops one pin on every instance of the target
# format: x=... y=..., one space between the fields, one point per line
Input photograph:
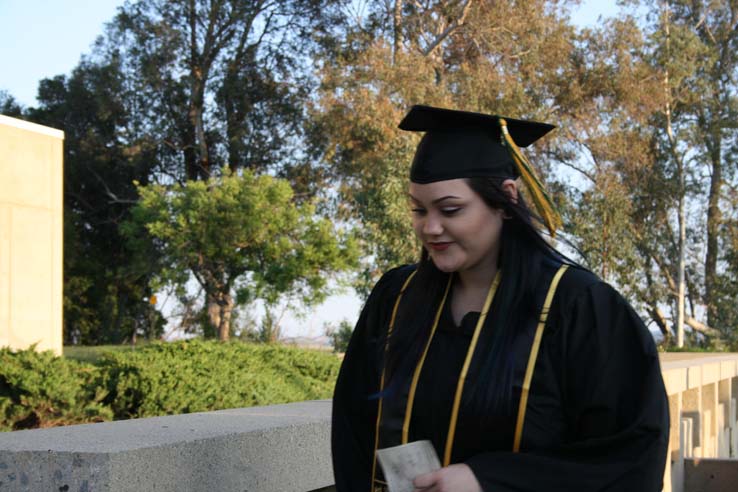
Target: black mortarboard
x=462 y=144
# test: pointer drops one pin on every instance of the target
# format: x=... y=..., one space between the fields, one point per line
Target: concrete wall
x=280 y=448
x=31 y=235
x=710 y=475
x=286 y=447
x=703 y=391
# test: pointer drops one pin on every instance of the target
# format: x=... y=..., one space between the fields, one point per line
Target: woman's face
x=455 y=225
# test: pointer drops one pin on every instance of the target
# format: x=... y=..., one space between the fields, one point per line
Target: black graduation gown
x=597 y=413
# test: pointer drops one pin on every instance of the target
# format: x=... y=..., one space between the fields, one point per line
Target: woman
x=525 y=371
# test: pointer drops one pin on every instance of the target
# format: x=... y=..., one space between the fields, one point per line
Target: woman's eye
x=418 y=211
x=450 y=211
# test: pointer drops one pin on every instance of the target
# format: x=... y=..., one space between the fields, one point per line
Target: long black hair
x=522 y=253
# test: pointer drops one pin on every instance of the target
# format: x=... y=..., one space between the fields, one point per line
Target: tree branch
x=446 y=32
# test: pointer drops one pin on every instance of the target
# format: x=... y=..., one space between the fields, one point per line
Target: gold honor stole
x=533 y=355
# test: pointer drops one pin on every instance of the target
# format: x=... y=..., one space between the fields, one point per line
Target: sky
x=44 y=38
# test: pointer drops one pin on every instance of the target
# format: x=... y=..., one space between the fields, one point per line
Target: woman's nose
x=432 y=225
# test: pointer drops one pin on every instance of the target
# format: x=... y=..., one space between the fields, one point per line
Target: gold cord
x=381 y=380
x=465 y=368
x=541 y=199
x=419 y=367
x=533 y=356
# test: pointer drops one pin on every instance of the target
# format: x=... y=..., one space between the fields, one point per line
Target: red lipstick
x=439 y=246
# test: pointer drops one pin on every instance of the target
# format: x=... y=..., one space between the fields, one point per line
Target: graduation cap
x=463 y=144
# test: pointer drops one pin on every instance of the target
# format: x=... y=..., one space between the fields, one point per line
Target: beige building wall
x=31 y=235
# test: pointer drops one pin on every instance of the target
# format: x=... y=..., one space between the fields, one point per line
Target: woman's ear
x=510 y=187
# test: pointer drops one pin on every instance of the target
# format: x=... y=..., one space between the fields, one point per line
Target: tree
x=660 y=123
x=218 y=83
x=173 y=90
x=706 y=111
x=340 y=336
x=620 y=192
x=484 y=56
x=242 y=238
x=105 y=300
x=9 y=106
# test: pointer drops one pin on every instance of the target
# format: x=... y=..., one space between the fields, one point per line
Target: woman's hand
x=453 y=478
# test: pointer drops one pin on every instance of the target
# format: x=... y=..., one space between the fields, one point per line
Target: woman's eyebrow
x=447 y=197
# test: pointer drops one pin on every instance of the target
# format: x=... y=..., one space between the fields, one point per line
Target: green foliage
x=340 y=336
x=43 y=390
x=239 y=234
x=602 y=223
x=246 y=85
x=655 y=99
x=9 y=106
x=104 y=152
x=154 y=102
x=219 y=84
x=504 y=58
x=196 y=376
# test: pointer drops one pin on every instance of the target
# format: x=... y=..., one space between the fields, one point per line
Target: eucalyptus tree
x=707 y=112
x=660 y=126
x=488 y=56
x=694 y=50
x=219 y=83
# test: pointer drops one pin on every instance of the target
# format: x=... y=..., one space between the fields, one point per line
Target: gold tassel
x=542 y=201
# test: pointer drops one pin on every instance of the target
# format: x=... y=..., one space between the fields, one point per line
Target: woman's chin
x=445 y=265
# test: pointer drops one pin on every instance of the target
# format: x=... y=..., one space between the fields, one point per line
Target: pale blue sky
x=44 y=38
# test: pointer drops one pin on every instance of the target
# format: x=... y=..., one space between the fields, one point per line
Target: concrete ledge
x=286 y=448
x=278 y=448
x=710 y=475
x=685 y=370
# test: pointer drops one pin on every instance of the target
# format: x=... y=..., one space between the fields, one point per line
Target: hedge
x=42 y=390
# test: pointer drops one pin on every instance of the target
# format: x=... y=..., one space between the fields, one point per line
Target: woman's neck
x=478 y=277
x=471 y=288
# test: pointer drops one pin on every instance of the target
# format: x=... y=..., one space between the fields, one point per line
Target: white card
x=401 y=464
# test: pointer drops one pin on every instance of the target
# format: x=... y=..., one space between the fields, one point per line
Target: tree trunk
x=397 y=18
x=226 y=308
x=702 y=328
x=199 y=69
x=680 y=176
x=220 y=308
x=237 y=109
x=713 y=227
x=658 y=316
x=190 y=153
x=233 y=122
x=213 y=312
x=198 y=126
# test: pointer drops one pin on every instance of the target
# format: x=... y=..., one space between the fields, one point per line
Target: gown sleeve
x=354 y=412
x=615 y=406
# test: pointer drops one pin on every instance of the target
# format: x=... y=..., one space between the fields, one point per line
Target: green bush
x=196 y=376
x=41 y=390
